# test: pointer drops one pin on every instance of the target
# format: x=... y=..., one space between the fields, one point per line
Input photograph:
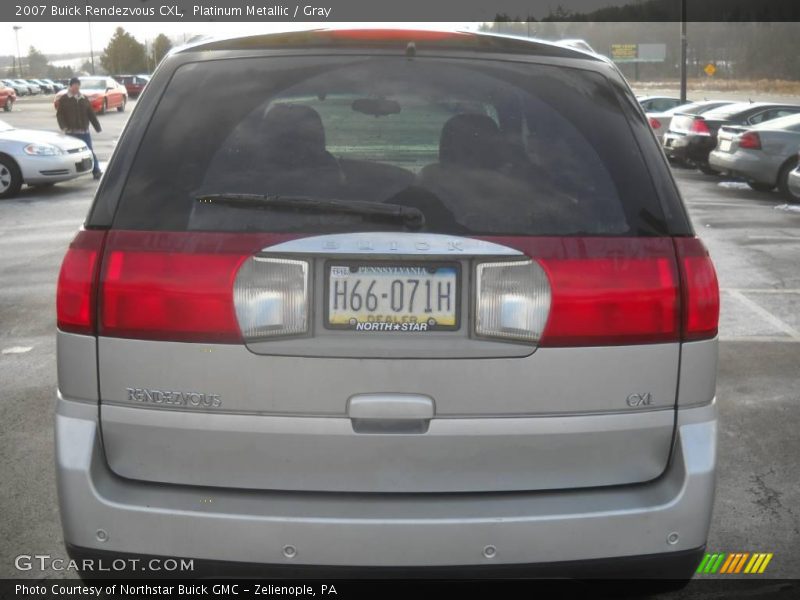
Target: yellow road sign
x=710 y=69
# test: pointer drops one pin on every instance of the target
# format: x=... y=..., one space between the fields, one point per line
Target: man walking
x=74 y=113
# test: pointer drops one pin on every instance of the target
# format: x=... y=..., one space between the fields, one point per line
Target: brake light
x=385 y=35
x=174 y=286
x=699 y=126
x=750 y=140
x=77 y=283
x=607 y=291
x=654 y=123
x=216 y=287
x=700 y=290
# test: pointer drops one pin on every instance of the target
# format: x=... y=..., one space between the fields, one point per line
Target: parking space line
x=766 y=315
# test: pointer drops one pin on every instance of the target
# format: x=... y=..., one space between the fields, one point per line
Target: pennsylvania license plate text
x=402 y=298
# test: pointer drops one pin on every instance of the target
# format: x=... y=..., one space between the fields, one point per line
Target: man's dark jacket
x=75 y=113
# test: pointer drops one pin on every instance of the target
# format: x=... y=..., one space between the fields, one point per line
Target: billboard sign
x=638 y=52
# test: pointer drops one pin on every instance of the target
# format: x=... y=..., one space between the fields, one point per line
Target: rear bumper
x=695 y=148
x=674 y=565
x=745 y=165
x=102 y=512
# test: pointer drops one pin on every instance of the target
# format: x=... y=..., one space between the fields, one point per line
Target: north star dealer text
x=251 y=10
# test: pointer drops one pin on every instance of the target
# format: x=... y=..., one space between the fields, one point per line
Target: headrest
x=471 y=140
x=293 y=135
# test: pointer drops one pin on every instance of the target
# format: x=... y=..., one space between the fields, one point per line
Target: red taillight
x=180 y=286
x=750 y=140
x=173 y=286
x=77 y=283
x=700 y=288
x=607 y=291
x=699 y=126
x=654 y=123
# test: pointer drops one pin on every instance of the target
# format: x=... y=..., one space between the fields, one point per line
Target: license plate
x=392 y=297
x=725 y=145
x=85 y=164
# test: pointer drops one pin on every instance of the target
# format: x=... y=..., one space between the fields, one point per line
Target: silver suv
x=388 y=300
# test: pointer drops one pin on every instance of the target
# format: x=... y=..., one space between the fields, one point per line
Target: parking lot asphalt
x=753 y=237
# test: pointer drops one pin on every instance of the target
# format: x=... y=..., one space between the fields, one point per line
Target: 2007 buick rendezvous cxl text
x=388 y=302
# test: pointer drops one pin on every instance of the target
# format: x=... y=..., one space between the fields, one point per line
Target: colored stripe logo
x=734 y=562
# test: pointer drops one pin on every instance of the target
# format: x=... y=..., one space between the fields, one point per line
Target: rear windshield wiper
x=411 y=217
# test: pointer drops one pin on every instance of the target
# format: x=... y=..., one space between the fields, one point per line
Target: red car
x=134 y=84
x=104 y=93
x=7 y=97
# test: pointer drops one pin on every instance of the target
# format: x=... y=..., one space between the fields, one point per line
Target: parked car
x=763 y=155
x=45 y=87
x=658 y=103
x=794 y=182
x=691 y=138
x=54 y=85
x=103 y=93
x=20 y=89
x=7 y=97
x=422 y=307
x=38 y=157
x=134 y=84
x=660 y=121
x=34 y=88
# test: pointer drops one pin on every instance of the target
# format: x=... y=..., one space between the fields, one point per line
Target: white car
x=39 y=157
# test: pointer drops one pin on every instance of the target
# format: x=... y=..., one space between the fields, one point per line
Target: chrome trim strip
x=389 y=243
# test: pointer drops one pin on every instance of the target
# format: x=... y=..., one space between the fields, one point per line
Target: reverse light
x=271 y=297
x=512 y=300
x=42 y=150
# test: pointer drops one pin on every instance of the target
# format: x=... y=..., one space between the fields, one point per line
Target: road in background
x=754 y=241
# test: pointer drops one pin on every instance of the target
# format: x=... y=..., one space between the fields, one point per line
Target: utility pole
x=684 y=43
x=91 y=45
x=19 y=56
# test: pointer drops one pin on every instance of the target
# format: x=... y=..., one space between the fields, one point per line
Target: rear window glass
x=725 y=112
x=790 y=122
x=478 y=147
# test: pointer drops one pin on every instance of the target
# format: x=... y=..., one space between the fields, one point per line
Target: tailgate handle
x=390 y=413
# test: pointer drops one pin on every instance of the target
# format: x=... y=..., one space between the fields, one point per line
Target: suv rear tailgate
x=499 y=424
